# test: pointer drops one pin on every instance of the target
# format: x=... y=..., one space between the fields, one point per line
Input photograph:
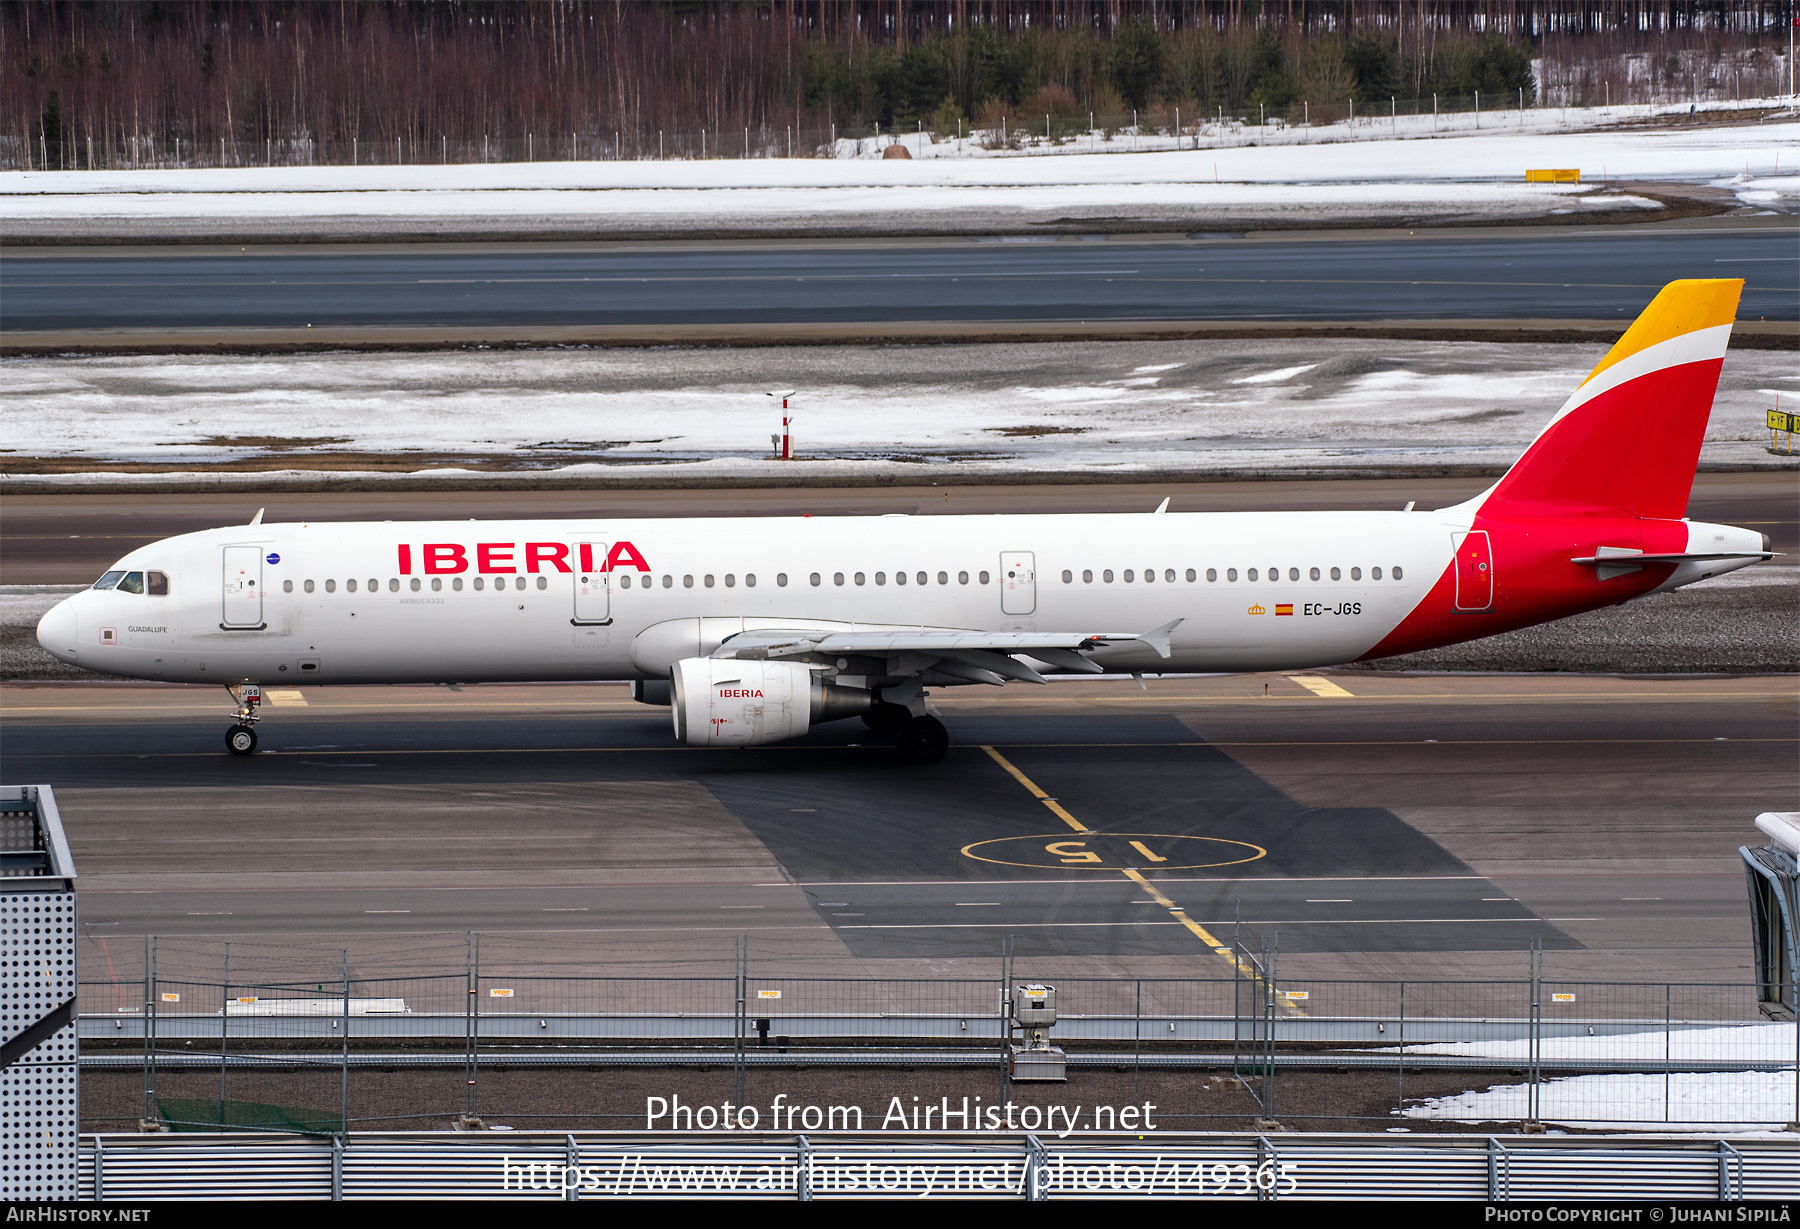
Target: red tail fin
x=1629 y=438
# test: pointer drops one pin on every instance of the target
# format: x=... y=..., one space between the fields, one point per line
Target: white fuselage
x=515 y=600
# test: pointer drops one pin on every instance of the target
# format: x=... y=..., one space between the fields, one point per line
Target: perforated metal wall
x=39 y=1111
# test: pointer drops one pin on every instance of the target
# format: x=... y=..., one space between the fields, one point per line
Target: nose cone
x=59 y=629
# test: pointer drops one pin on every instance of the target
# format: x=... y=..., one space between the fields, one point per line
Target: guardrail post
x=337 y=1168
x=572 y=1165
x=1731 y=1173
x=1266 y=1156
x=99 y=1169
x=1037 y=1162
x=1499 y=1172
x=803 y=1169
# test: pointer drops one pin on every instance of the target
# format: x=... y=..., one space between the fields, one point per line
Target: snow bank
x=1458 y=173
x=1720 y=1102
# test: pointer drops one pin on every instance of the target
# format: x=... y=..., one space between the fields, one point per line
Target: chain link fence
x=252 y=1053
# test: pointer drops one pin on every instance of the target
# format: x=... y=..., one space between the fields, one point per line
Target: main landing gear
x=922 y=740
x=240 y=739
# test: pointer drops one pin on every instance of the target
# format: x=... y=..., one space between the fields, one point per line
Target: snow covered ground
x=1280 y=407
x=1680 y=1101
x=1463 y=175
x=1685 y=1101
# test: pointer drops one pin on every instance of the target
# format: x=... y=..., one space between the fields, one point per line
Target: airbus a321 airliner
x=752 y=630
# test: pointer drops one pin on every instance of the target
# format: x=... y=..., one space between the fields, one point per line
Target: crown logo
x=1256 y=610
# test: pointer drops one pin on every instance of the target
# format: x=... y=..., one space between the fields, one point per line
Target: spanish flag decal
x=1284 y=608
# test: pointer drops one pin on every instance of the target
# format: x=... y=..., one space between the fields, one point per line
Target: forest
x=100 y=83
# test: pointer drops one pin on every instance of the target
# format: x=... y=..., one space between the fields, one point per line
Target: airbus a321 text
x=753 y=630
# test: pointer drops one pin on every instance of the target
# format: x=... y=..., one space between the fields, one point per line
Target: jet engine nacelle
x=724 y=702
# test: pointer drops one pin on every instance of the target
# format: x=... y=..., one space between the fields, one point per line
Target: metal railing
x=1030 y=1166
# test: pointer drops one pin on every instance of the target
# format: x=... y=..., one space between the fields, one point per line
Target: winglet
x=257 y=519
x=1158 y=638
x=1162 y=507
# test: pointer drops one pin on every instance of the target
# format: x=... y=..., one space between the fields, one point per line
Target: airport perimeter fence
x=243 y=1054
x=1163 y=127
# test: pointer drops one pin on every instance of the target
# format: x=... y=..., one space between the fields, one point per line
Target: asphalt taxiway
x=1412 y=826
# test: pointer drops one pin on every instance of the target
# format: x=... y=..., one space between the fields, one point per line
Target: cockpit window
x=109 y=580
x=156 y=584
x=133 y=583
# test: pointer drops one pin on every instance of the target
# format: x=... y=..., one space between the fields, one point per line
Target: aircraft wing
x=971 y=656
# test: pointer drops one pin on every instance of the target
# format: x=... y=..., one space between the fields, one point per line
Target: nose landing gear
x=240 y=739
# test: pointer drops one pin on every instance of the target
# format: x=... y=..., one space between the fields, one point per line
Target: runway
x=1428 y=825
x=1588 y=274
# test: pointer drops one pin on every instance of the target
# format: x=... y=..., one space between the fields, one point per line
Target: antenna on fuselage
x=1162 y=507
x=257 y=519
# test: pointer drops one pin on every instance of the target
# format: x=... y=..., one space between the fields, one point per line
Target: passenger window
x=133 y=583
x=944 y=578
x=1068 y=577
x=837 y=578
x=331 y=586
x=1374 y=573
x=921 y=578
x=1087 y=576
x=544 y=582
x=731 y=581
x=1398 y=573
x=414 y=584
x=308 y=586
x=1314 y=574
x=1250 y=575
x=687 y=582
x=881 y=578
x=455 y=584
x=1231 y=574
x=1169 y=575
x=780 y=580
x=394 y=584
x=1355 y=573
x=518 y=582
x=858 y=578
x=624 y=580
x=375 y=585
x=983 y=578
x=1293 y=573
x=962 y=578
x=749 y=580
x=1106 y=576
x=669 y=581
x=814 y=579
x=108 y=581
x=707 y=580
x=1212 y=575
x=1336 y=575
x=287 y=586
x=350 y=586
x=899 y=578
x=156 y=584
x=437 y=585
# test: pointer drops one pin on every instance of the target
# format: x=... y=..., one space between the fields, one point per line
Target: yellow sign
x=1566 y=175
x=1295 y=994
x=768 y=994
x=248 y=999
x=170 y=998
x=1781 y=420
x=1562 y=998
x=500 y=994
